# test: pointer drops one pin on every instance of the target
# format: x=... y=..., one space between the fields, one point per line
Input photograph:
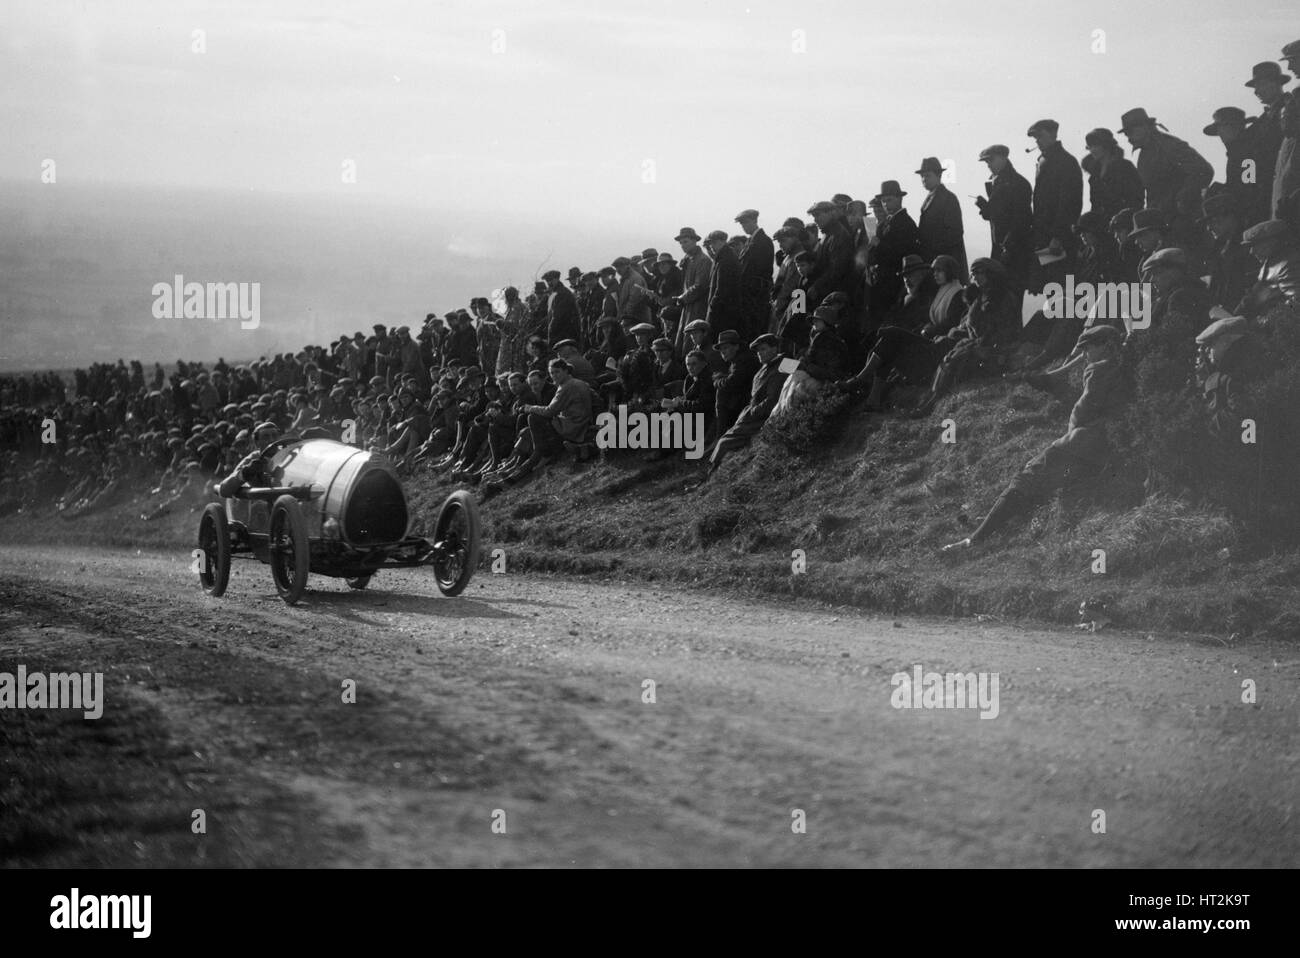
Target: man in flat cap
x=1273 y=244
x=512 y=353
x=579 y=367
x=733 y=385
x=562 y=320
x=833 y=269
x=696 y=270
x=1084 y=450
x=633 y=296
x=669 y=371
x=1180 y=308
x=462 y=343
x=698 y=339
x=940 y=226
x=756 y=261
x=1239 y=135
x=635 y=384
x=724 y=284
x=1229 y=358
x=575 y=280
x=697 y=395
x=791 y=242
x=896 y=237
x=1009 y=211
x=566 y=418
x=765 y=390
x=591 y=298
x=1174 y=175
x=1058 y=200
x=1232 y=268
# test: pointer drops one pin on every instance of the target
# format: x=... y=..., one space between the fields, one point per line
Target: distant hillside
x=78 y=263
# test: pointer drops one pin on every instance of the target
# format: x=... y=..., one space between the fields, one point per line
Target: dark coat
x=1009 y=211
x=462 y=344
x=711 y=356
x=1174 y=175
x=756 y=264
x=698 y=395
x=673 y=372
x=896 y=238
x=1263 y=138
x=940 y=229
x=765 y=390
x=833 y=271
x=1232 y=271
x=1114 y=186
x=912 y=311
x=562 y=317
x=1058 y=197
x=733 y=391
x=696 y=272
x=824 y=357
x=670 y=283
x=724 y=292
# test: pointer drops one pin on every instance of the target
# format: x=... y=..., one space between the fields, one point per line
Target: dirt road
x=522 y=703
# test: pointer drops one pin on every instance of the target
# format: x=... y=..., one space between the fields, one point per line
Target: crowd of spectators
x=860 y=300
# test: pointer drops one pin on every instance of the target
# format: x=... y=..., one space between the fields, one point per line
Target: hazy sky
x=597 y=119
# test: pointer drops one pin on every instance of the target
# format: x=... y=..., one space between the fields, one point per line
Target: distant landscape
x=78 y=262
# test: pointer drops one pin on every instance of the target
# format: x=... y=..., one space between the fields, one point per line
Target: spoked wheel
x=289 y=549
x=456 y=543
x=359 y=582
x=214 y=541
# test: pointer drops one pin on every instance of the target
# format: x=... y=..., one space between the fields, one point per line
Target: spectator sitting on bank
x=567 y=417
x=567 y=349
x=912 y=310
x=983 y=341
x=669 y=373
x=1084 y=449
x=820 y=363
x=948 y=306
x=764 y=393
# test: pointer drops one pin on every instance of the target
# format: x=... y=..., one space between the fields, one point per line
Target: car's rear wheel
x=359 y=582
x=289 y=549
x=456 y=537
x=214 y=541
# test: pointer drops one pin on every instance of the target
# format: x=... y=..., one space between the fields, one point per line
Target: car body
x=336 y=510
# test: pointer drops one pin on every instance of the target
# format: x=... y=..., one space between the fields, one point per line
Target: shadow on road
x=351 y=605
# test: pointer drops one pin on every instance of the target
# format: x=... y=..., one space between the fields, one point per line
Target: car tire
x=214 y=542
x=289 y=548
x=456 y=536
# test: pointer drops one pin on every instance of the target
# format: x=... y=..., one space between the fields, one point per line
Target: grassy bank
x=869 y=504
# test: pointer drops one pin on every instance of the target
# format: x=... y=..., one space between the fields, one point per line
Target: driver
x=252 y=469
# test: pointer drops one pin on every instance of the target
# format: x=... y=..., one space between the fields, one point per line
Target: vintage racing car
x=335 y=510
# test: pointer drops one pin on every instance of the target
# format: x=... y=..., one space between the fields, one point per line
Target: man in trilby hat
x=940 y=226
x=1174 y=174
